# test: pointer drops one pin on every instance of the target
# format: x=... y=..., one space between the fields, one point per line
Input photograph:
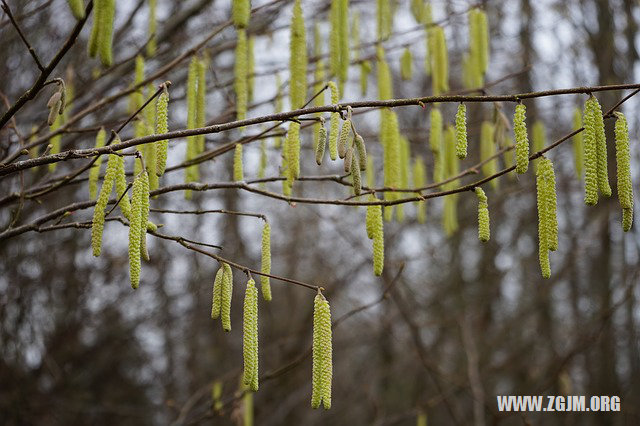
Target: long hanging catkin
x=623 y=163
x=265 y=266
x=419 y=181
x=335 y=123
x=241 y=68
x=226 y=295
x=138 y=205
x=488 y=150
x=547 y=220
x=344 y=138
x=484 y=232
x=293 y=152
x=240 y=13
x=121 y=187
x=539 y=140
x=298 y=58
x=440 y=67
x=103 y=198
x=377 y=231
x=201 y=102
x=321 y=142
x=522 y=140
x=461 y=131
x=601 y=149
x=77 y=8
x=322 y=354
x=406 y=64
x=250 y=336
x=162 y=126
x=94 y=173
x=238 y=174
x=151 y=46
x=590 y=155
x=578 y=144
x=105 y=37
x=216 y=298
x=191 y=172
x=435 y=144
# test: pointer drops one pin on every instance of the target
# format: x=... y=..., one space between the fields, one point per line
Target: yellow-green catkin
x=590 y=155
x=144 y=216
x=356 y=175
x=216 y=298
x=343 y=69
x=92 y=45
x=152 y=44
x=427 y=20
x=406 y=64
x=578 y=145
x=318 y=86
x=440 y=64
x=201 y=102
x=385 y=87
x=293 y=152
x=298 y=59
x=226 y=295
x=623 y=164
x=384 y=19
x=321 y=143
x=250 y=336
x=94 y=173
x=601 y=146
x=251 y=68
x=278 y=107
x=539 y=136
x=240 y=13
x=488 y=150
x=404 y=173
x=451 y=169
x=265 y=265
x=421 y=419
x=162 y=126
x=477 y=59
x=262 y=167
x=240 y=71
x=216 y=395
x=547 y=220
x=484 y=232
x=461 y=131
x=344 y=138
x=435 y=144
x=522 y=140
x=136 y=99
x=136 y=232
x=375 y=230
x=322 y=371
x=149 y=149
x=238 y=174
x=391 y=159
x=77 y=8
x=55 y=141
x=101 y=204
x=121 y=187
x=362 y=152
x=334 y=39
x=105 y=37
x=419 y=181
x=191 y=172
x=417 y=10
x=335 y=123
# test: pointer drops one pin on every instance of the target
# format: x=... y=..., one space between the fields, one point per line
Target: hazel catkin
x=322 y=142
x=322 y=370
x=344 y=138
x=590 y=155
x=461 y=131
x=265 y=266
x=250 y=336
x=101 y=203
x=484 y=232
x=362 y=152
x=547 y=211
x=216 y=298
x=77 y=8
x=601 y=149
x=162 y=126
x=578 y=144
x=240 y=12
x=623 y=163
x=522 y=140
x=94 y=173
x=298 y=58
x=238 y=174
x=135 y=227
x=226 y=295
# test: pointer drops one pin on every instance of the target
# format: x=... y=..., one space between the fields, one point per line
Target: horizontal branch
x=288 y=115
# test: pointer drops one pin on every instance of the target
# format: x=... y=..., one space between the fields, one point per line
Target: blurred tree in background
x=450 y=323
